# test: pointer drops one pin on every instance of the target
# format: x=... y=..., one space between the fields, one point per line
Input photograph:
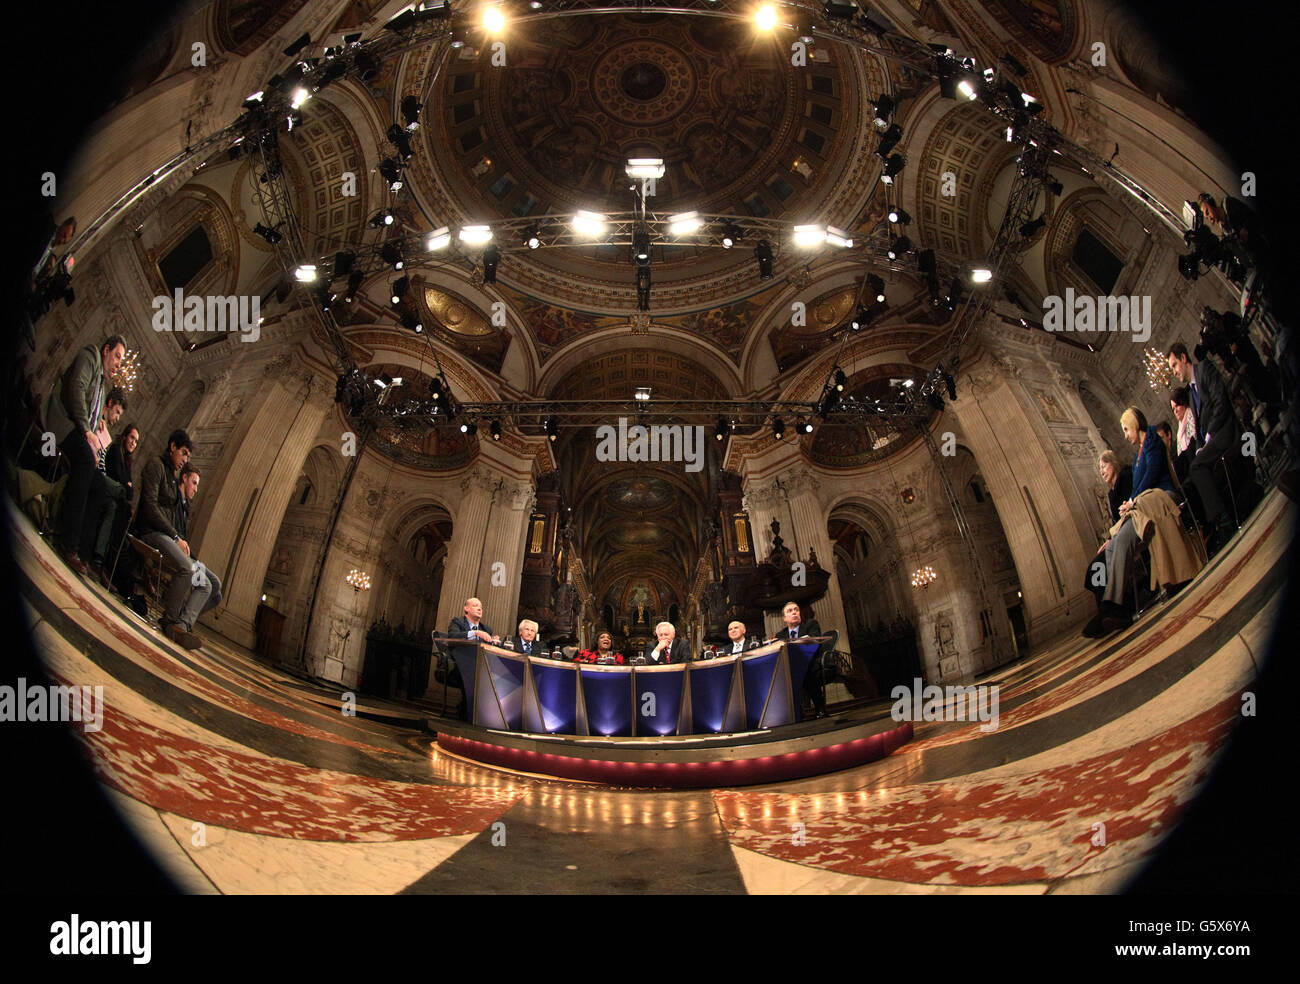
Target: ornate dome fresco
x=741 y=131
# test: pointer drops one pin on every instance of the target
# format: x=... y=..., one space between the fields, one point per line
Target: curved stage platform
x=295 y=796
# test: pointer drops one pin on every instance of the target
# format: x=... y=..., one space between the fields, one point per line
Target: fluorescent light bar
x=439 y=239
x=684 y=224
x=476 y=235
x=589 y=224
x=645 y=167
x=838 y=237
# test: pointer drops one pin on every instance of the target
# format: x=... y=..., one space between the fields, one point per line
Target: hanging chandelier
x=1158 y=374
x=923 y=577
x=127 y=371
x=359 y=580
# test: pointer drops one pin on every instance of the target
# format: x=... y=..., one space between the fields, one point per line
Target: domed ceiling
x=741 y=131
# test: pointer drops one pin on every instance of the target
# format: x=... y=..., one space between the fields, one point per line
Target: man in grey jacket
x=74 y=414
x=162 y=523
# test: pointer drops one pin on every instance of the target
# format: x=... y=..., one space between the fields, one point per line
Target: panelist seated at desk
x=470 y=626
x=605 y=648
x=668 y=648
x=796 y=628
x=525 y=643
x=740 y=640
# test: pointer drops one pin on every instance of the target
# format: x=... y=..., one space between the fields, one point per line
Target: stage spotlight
x=643 y=288
x=967 y=88
x=876 y=288
x=402 y=22
x=391 y=172
x=730 y=235
x=763 y=256
x=841 y=9
x=936 y=400
x=948 y=381
x=491 y=256
x=948 y=75
x=893 y=165
x=1014 y=65
x=778 y=428
x=391 y=253
x=838 y=237
x=468 y=427
x=981 y=275
x=367 y=67
x=955 y=290
x=305 y=273
x=838 y=379
x=400 y=139
x=494 y=20
x=899 y=217
x=343 y=263
x=884 y=109
x=400 y=286
x=765 y=17
x=435 y=388
x=641 y=247
x=552 y=428
x=533 y=237
x=411 y=321
x=806 y=426
x=1029 y=228
x=382 y=218
x=324 y=296
x=861 y=319
x=354 y=285
x=644 y=167
x=495 y=430
x=1055 y=187
x=889 y=140
x=642 y=394
x=300 y=96
x=269 y=234
x=440 y=238
x=411 y=112
x=925 y=262
x=808 y=236
x=721 y=430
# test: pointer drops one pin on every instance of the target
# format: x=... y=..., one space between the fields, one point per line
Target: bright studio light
x=305 y=274
x=439 y=239
x=765 y=17
x=808 y=236
x=684 y=224
x=966 y=89
x=476 y=235
x=300 y=96
x=981 y=275
x=589 y=224
x=644 y=167
x=838 y=237
x=494 y=20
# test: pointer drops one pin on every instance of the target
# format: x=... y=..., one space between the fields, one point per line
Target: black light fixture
x=1014 y=65
x=400 y=139
x=641 y=247
x=643 y=288
x=269 y=234
x=391 y=171
x=343 y=263
x=381 y=218
x=861 y=319
x=354 y=285
x=838 y=379
x=721 y=430
x=411 y=112
x=400 y=286
x=533 y=237
x=298 y=45
x=1029 y=228
x=876 y=287
x=411 y=321
x=730 y=235
x=885 y=106
x=468 y=427
x=391 y=253
x=925 y=262
x=435 y=388
x=954 y=293
x=948 y=381
x=491 y=256
x=367 y=67
x=806 y=426
x=1055 y=187
x=495 y=430
x=763 y=255
x=889 y=140
x=893 y=164
x=552 y=428
x=778 y=428
x=899 y=217
x=935 y=398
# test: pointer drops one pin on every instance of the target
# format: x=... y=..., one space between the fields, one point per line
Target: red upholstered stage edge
x=685 y=775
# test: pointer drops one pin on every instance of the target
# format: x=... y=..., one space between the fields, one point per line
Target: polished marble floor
x=241 y=778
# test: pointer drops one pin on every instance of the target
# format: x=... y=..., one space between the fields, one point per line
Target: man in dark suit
x=461 y=630
x=74 y=415
x=1218 y=435
x=814 y=681
x=668 y=648
x=526 y=642
x=740 y=642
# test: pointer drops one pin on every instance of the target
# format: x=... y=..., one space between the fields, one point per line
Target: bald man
x=471 y=625
x=740 y=641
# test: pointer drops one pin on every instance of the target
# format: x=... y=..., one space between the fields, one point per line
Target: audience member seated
x=740 y=641
x=1185 y=443
x=1150 y=514
x=1217 y=436
x=74 y=415
x=668 y=648
x=160 y=523
x=119 y=465
x=1119 y=486
x=814 y=682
